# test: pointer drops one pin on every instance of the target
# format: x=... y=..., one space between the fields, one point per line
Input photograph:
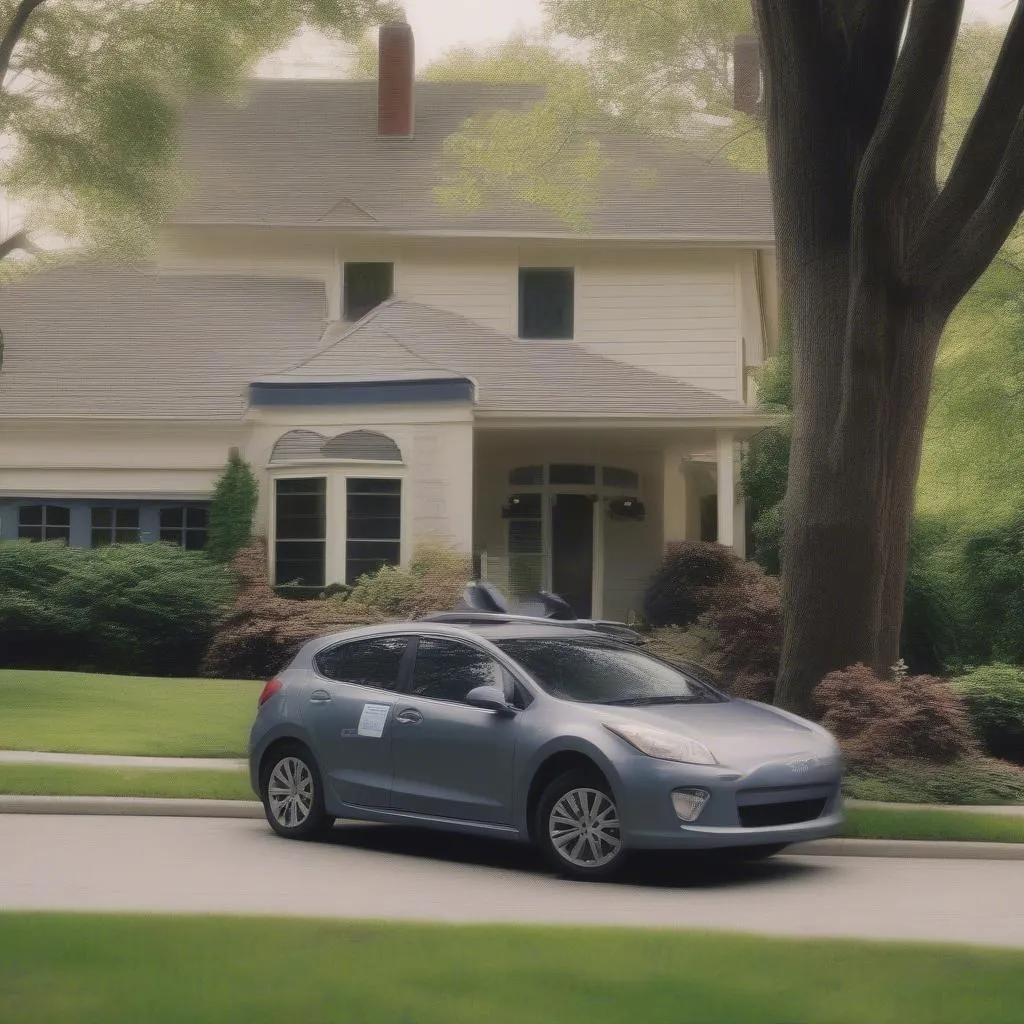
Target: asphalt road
x=237 y=866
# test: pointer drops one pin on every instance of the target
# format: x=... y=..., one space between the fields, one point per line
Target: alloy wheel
x=584 y=828
x=290 y=792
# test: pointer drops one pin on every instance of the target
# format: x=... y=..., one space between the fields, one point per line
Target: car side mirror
x=490 y=698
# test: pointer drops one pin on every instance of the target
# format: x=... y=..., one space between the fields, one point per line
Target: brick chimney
x=746 y=74
x=395 y=86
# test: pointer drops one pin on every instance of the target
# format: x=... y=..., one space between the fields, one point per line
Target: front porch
x=587 y=513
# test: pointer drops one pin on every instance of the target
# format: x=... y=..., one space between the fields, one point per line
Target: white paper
x=372 y=720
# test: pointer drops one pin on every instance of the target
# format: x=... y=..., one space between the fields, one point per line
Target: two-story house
x=559 y=403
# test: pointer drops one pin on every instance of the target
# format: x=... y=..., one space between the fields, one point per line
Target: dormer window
x=367 y=285
x=546 y=303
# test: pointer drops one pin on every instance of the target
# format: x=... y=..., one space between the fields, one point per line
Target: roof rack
x=470 y=618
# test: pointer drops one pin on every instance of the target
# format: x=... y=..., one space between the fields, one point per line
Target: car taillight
x=269 y=690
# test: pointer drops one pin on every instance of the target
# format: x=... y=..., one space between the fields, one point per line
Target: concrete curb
x=251 y=809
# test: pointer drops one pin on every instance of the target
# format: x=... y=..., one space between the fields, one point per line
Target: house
x=561 y=404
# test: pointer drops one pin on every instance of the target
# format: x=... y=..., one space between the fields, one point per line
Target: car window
x=447 y=670
x=604 y=672
x=376 y=662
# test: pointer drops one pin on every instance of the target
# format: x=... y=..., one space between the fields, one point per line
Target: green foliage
x=977 y=781
x=93 y=98
x=232 y=510
x=994 y=695
x=138 y=609
x=434 y=582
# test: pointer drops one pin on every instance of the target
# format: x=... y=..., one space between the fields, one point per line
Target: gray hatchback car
x=538 y=732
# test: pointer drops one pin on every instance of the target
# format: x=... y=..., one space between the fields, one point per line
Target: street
x=191 y=865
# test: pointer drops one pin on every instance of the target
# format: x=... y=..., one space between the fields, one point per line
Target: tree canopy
x=92 y=93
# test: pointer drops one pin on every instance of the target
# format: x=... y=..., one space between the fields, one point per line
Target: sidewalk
x=32 y=757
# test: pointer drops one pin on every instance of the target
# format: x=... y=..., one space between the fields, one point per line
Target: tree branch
x=14 y=33
x=916 y=93
x=979 y=242
x=19 y=240
x=979 y=158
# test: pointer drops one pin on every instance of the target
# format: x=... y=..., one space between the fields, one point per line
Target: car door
x=348 y=714
x=452 y=760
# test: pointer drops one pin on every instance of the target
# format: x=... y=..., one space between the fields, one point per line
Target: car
x=535 y=731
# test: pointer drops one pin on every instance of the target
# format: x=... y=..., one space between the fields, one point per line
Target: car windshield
x=603 y=672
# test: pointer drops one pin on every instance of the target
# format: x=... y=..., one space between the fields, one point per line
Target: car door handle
x=410 y=716
x=319 y=697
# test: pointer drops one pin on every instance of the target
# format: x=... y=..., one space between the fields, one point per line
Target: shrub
x=683 y=586
x=994 y=695
x=434 y=582
x=139 y=609
x=875 y=721
x=262 y=631
x=232 y=510
x=967 y=780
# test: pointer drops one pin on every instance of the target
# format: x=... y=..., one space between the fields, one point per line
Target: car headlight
x=664 y=745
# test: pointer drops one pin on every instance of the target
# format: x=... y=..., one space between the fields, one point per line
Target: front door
x=572 y=551
x=452 y=760
x=348 y=713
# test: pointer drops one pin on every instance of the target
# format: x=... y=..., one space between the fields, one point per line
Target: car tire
x=292 y=794
x=561 y=814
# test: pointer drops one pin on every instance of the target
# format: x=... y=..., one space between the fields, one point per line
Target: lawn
x=93 y=714
x=71 y=780
x=939 y=824
x=120 y=970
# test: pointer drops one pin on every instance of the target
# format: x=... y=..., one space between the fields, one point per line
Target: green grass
x=92 y=969
x=93 y=714
x=71 y=780
x=938 y=824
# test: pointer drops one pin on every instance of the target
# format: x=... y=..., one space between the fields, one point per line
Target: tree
x=875 y=253
x=232 y=510
x=92 y=93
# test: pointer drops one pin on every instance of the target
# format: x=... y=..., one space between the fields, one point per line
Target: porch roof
x=403 y=341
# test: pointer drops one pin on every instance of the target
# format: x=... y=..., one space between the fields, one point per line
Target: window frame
x=323 y=541
x=43 y=526
x=113 y=529
x=570 y=327
x=404 y=667
x=350 y=314
x=184 y=530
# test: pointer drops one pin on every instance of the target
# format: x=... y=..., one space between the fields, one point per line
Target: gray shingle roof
x=307 y=154
x=125 y=342
x=407 y=340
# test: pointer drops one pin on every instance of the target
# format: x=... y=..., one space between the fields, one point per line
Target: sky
x=439 y=25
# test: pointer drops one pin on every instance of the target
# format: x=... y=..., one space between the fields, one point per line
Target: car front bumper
x=767 y=805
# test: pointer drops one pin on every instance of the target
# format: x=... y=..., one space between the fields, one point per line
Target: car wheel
x=292 y=795
x=577 y=827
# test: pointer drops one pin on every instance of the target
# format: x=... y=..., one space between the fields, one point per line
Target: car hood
x=741 y=734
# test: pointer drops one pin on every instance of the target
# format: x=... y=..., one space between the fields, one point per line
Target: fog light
x=688 y=803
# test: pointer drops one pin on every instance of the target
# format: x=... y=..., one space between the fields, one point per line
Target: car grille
x=790 y=812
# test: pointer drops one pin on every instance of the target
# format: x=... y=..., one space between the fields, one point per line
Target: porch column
x=674 y=499
x=726 y=489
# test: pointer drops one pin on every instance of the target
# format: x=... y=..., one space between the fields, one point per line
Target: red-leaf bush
x=920 y=718
x=684 y=585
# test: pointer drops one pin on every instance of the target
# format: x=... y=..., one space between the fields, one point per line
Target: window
x=570 y=474
x=602 y=672
x=367 y=285
x=527 y=476
x=546 y=300
x=115 y=526
x=44 y=522
x=613 y=477
x=525 y=545
x=300 y=527
x=445 y=670
x=185 y=525
x=376 y=663
x=374 y=526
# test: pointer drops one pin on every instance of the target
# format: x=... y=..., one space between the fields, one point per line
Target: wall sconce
x=627 y=509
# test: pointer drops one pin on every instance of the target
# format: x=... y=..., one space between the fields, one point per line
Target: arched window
x=353 y=446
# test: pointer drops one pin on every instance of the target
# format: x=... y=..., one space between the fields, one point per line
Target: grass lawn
x=92 y=969
x=71 y=780
x=939 y=824
x=93 y=714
